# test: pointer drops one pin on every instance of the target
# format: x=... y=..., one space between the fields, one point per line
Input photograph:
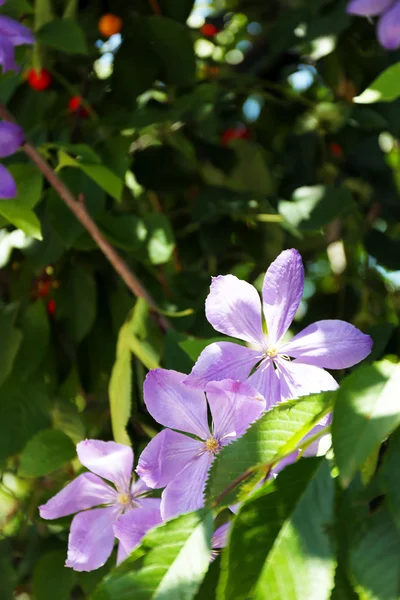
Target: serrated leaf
x=120 y=388
x=169 y=564
x=64 y=35
x=47 y=451
x=277 y=429
x=384 y=88
x=279 y=543
x=366 y=411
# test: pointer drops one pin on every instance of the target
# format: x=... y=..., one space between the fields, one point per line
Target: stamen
x=124 y=499
x=212 y=445
x=271 y=352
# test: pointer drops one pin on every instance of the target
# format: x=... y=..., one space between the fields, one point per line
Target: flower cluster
x=11 y=138
x=12 y=34
x=234 y=384
x=389 y=18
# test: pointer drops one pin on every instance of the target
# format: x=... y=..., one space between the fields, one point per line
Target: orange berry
x=39 y=80
x=110 y=25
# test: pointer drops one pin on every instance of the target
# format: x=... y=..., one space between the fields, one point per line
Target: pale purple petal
x=223 y=360
x=185 y=493
x=266 y=381
x=282 y=291
x=288 y=460
x=7 y=58
x=91 y=538
x=109 y=460
x=220 y=537
x=2 y=2
x=11 y=138
x=312 y=449
x=16 y=33
x=174 y=404
x=122 y=554
x=329 y=344
x=8 y=188
x=134 y=524
x=368 y=8
x=389 y=28
x=138 y=487
x=86 y=491
x=234 y=406
x=298 y=379
x=233 y=307
x=165 y=456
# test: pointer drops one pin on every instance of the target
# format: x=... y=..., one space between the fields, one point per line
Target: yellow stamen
x=124 y=499
x=211 y=445
x=271 y=352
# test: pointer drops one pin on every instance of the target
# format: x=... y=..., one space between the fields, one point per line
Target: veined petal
x=11 y=138
x=282 y=291
x=233 y=307
x=185 y=493
x=298 y=379
x=223 y=360
x=234 y=406
x=86 y=491
x=8 y=188
x=91 y=538
x=7 y=58
x=16 y=33
x=330 y=344
x=266 y=381
x=134 y=524
x=174 y=404
x=139 y=487
x=368 y=8
x=389 y=28
x=165 y=456
x=107 y=459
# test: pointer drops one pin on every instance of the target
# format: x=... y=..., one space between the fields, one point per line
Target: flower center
x=124 y=499
x=271 y=352
x=212 y=445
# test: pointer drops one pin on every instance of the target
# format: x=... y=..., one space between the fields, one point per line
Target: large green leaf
x=7 y=579
x=10 y=341
x=120 y=389
x=279 y=545
x=384 y=88
x=100 y=174
x=366 y=411
x=51 y=579
x=169 y=564
x=47 y=451
x=80 y=295
x=19 y=210
x=64 y=35
x=280 y=429
x=160 y=238
x=390 y=477
x=34 y=324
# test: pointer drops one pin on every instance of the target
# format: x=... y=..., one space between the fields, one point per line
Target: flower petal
x=329 y=344
x=298 y=379
x=7 y=58
x=165 y=456
x=266 y=381
x=282 y=291
x=173 y=404
x=91 y=538
x=234 y=406
x=233 y=307
x=185 y=493
x=8 y=188
x=16 y=33
x=220 y=537
x=11 y=138
x=86 y=491
x=314 y=448
x=107 y=459
x=139 y=487
x=223 y=360
x=389 y=28
x=368 y=8
x=134 y=524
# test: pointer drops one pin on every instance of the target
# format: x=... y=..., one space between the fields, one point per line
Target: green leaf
x=366 y=411
x=375 y=559
x=24 y=410
x=390 y=477
x=279 y=543
x=124 y=231
x=144 y=351
x=51 y=579
x=384 y=88
x=251 y=173
x=64 y=35
x=18 y=211
x=67 y=418
x=179 y=11
x=279 y=429
x=160 y=238
x=169 y=564
x=120 y=388
x=10 y=342
x=43 y=13
x=8 y=577
x=80 y=295
x=100 y=174
x=47 y=451
x=34 y=324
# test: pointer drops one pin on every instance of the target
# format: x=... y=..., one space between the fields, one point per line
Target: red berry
x=39 y=80
x=43 y=288
x=335 y=149
x=235 y=133
x=51 y=307
x=75 y=105
x=208 y=30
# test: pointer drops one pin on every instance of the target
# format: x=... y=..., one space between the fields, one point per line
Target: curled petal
x=223 y=360
x=11 y=138
x=8 y=188
x=7 y=58
x=220 y=537
x=389 y=28
x=282 y=291
x=298 y=379
x=133 y=525
x=330 y=344
x=368 y=8
x=234 y=406
x=16 y=33
x=165 y=456
x=107 y=459
x=174 y=404
x=185 y=493
x=86 y=491
x=91 y=538
x=266 y=381
x=233 y=307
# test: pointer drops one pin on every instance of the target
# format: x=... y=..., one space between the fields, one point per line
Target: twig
x=79 y=209
x=155 y=7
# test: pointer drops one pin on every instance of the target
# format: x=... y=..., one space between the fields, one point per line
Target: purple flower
x=12 y=34
x=180 y=462
x=233 y=307
x=11 y=138
x=91 y=538
x=389 y=22
x=220 y=539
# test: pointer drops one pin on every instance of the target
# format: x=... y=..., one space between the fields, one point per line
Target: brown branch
x=155 y=7
x=79 y=209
